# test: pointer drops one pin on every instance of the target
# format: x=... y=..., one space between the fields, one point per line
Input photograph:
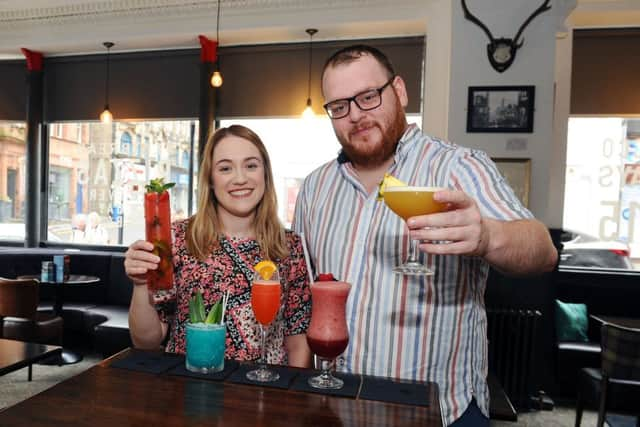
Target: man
x=415 y=327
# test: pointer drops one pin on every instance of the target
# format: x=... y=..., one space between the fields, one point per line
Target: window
x=296 y=147
x=96 y=188
x=602 y=192
x=125 y=143
x=12 y=180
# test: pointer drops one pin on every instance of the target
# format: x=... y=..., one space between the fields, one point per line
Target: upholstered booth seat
x=85 y=307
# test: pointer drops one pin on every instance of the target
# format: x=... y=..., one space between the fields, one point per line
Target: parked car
x=583 y=250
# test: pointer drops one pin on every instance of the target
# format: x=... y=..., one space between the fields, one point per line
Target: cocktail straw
x=225 y=298
x=306 y=257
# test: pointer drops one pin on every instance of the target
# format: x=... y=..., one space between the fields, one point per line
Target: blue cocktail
x=205 y=347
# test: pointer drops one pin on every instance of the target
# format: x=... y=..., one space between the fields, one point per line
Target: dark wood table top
x=16 y=355
x=108 y=396
x=625 y=322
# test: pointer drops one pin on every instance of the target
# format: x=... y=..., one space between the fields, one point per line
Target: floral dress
x=218 y=274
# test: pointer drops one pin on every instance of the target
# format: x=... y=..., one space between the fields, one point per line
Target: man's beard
x=376 y=155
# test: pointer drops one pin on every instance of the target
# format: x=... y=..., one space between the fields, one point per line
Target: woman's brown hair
x=204 y=229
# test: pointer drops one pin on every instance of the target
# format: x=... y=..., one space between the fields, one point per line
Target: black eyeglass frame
x=353 y=98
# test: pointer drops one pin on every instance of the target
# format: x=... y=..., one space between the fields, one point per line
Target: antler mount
x=502 y=51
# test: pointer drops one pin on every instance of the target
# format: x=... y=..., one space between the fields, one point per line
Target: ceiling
x=67 y=27
x=63 y=27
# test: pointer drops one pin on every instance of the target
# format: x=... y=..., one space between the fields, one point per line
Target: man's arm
x=513 y=247
x=519 y=247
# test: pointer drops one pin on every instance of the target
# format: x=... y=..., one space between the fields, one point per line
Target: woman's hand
x=138 y=260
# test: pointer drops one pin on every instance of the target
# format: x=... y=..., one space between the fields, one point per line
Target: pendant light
x=106 y=116
x=308 y=111
x=216 y=78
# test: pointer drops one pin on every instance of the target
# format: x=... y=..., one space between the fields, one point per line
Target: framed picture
x=517 y=172
x=500 y=109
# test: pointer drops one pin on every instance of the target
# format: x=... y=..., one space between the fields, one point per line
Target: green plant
x=197 y=310
x=157 y=185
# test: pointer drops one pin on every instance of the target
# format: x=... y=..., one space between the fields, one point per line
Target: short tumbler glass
x=205 y=347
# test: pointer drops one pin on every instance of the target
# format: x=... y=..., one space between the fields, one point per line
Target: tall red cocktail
x=157 y=218
x=328 y=335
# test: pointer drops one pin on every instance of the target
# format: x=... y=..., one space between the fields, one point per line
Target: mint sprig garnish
x=157 y=185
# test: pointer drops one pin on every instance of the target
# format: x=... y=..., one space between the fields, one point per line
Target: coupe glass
x=407 y=202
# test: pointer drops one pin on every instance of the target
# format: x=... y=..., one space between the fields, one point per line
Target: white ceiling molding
x=68 y=27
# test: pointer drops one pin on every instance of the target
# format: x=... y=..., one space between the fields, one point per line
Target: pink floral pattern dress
x=217 y=274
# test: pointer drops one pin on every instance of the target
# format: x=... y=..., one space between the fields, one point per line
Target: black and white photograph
x=503 y=109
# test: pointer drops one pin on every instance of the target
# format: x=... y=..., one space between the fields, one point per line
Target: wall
x=533 y=65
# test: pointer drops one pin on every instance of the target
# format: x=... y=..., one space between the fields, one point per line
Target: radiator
x=512 y=350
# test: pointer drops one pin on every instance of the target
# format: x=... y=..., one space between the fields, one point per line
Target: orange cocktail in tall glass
x=265 y=303
x=406 y=202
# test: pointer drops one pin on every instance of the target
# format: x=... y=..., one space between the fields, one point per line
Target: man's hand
x=520 y=246
x=458 y=231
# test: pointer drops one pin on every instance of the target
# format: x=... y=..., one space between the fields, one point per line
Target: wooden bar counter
x=108 y=396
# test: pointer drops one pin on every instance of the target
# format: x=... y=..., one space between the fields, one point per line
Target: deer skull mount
x=502 y=51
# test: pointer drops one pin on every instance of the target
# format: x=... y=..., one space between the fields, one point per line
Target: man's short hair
x=351 y=53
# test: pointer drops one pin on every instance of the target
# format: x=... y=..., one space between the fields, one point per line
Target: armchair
x=19 y=318
x=616 y=386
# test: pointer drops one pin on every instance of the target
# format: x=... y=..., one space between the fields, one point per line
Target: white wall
x=533 y=65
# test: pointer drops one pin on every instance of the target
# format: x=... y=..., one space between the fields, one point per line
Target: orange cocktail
x=265 y=300
x=407 y=201
x=265 y=303
x=413 y=201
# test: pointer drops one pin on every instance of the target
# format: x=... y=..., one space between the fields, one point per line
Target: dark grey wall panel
x=150 y=85
x=604 y=76
x=13 y=90
x=263 y=80
x=272 y=80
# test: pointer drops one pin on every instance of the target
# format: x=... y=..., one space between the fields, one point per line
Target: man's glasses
x=367 y=100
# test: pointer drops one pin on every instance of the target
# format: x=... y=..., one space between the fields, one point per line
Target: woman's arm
x=298 y=350
x=147 y=331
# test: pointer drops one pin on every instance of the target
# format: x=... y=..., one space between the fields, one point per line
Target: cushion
x=571 y=322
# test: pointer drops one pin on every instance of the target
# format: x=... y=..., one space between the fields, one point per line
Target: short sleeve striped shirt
x=424 y=328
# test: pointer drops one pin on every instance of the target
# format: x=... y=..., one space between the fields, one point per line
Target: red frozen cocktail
x=328 y=335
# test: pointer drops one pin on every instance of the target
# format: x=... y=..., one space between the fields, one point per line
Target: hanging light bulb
x=216 y=78
x=308 y=111
x=106 y=116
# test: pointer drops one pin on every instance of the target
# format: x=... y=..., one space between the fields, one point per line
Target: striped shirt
x=421 y=328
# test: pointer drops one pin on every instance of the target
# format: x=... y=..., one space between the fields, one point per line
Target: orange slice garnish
x=265 y=269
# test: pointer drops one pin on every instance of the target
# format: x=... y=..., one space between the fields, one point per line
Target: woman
x=236 y=226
